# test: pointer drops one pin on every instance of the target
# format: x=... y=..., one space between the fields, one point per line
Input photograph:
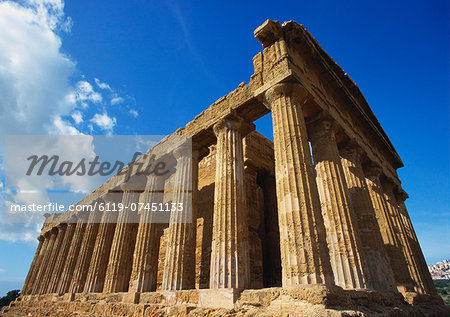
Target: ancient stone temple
x=311 y=223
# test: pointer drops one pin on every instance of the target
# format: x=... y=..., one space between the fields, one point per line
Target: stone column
x=179 y=261
x=62 y=257
x=39 y=284
x=34 y=279
x=390 y=240
x=121 y=256
x=400 y=231
x=304 y=255
x=97 y=270
x=428 y=284
x=29 y=280
x=230 y=263
x=60 y=233
x=72 y=256
x=145 y=258
x=86 y=250
x=376 y=257
x=346 y=253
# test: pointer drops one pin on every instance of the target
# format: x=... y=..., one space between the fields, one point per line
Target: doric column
x=29 y=280
x=97 y=269
x=62 y=257
x=425 y=275
x=38 y=286
x=376 y=257
x=145 y=258
x=86 y=250
x=39 y=267
x=304 y=255
x=400 y=231
x=346 y=252
x=122 y=248
x=72 y=256
x=390 y=240
x=179 y=261
x=60 y=233
x=230 y=263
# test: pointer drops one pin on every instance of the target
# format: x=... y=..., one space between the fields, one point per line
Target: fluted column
x=86 y=250
x=428 y=284
x=121 y=256
x=72 y=256
x=179 y=261
x=145 y=258
x=60 y=233
x=230 y=263
x=346 y=253
x=39 y=267
x=390 y=240
x=376 y=257
x=29 y=280
x=400 y=231
x=38 y=286
x=62 y=257
x=304 y=255
x=95 y=279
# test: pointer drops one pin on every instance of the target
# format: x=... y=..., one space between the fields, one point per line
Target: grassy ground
x=443 y=289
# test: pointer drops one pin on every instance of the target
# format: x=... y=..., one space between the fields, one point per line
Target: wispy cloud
x=116 y=100
x=180 y=18
x=134 y=113
x=102 y=85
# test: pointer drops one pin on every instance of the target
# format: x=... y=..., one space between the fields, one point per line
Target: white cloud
x=77 y=117
x=15 y=232
x=116 y=100
x=102 y=85
x=85 y=92
x=2 y=270
x=104 y=122
x=134 y=113
x=34 y=73
x=63 y=127
x=37 y=89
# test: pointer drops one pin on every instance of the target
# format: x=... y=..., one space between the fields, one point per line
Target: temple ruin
x=314 y=221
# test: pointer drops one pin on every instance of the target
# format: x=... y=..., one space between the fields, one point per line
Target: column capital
x=372 y=170
x=182 y=150
x=388 y=185
x=41 y=238
x=293 y=89
x=62 y=226
x=135 y=183
x=321 y=125
x=233 y=122
x=350 y=150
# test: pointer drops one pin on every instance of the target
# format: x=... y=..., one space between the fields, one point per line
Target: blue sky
x=149 y=67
